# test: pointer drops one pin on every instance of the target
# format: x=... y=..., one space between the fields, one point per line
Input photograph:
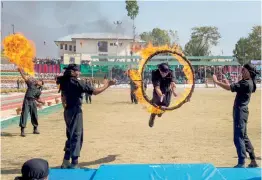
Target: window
x=65 y=46
x=72 y=60
x=61 y=46
x=74 y=48
x=62 y=58
x=111 y=44
x=103 y=46
x=70 y=47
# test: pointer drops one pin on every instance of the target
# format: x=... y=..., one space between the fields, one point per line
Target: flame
x=20 y=51
x=135 y=75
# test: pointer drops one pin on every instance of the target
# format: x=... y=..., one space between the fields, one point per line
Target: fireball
x=20 y=51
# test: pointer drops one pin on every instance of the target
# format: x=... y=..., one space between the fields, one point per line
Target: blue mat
x=71 y=174
x=241 y=173
x=158 y=172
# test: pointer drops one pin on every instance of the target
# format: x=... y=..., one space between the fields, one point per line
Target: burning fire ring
x=191 y=90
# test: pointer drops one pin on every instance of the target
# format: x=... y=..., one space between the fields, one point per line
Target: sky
x=49 y=20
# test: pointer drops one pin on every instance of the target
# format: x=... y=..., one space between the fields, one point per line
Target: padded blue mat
x=241 y=173
x=71 y=174
x=158 y=172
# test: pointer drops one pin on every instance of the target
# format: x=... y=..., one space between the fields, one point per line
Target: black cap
x=73 y=67
x=252 y=70
x=163 y=67
x=37 y=169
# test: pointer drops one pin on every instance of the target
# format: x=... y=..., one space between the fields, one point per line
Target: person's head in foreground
x=34 y=169
x=249 y=72
x=72 y=70
x=163 y=69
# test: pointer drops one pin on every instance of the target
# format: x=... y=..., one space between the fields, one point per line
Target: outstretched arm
x=225 y=85
x=22 y=74
x=87 y=89
x=107 y=84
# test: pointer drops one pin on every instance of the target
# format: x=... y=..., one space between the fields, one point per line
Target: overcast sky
x=48 y=21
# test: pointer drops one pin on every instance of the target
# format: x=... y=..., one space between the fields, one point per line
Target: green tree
x=174 y=39
x=241 y=49
x=132 y=11
x=192 y=48
x=157 y=37
x=202 y=39
x=249 y=48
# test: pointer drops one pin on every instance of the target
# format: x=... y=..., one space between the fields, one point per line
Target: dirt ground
x=116 y=131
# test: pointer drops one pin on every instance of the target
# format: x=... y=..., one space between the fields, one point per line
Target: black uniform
x=72 y=90
x=243 y=89
x=132 y=91
x=87 y=95
x=29 y=105
x=164 y=84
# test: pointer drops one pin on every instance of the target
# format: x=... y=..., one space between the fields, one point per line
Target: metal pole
x=92 y=71
x=2 y=28
x=13 y=28
x=237 y=75
x=117 y=23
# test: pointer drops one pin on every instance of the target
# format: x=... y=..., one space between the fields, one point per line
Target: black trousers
x=166 y=100
x=29 y=107
x=241 y=140
x=74 y=130
x=133 y=96
x=88 y=97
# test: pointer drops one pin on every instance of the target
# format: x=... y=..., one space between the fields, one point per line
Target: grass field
x=116 y=131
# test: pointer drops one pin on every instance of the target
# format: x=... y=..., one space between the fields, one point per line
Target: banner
x=72 y=58
x=256 y=62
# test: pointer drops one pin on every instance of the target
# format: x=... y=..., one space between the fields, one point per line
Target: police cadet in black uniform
x=133 y=87
x=243 y=88
x=88 y=96
x=72 y=90
x=164 y=86
x=29 y=105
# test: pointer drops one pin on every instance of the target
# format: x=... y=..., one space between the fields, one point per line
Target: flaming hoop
x=137 y=76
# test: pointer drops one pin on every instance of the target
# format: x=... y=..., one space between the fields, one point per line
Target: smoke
x=49 y=21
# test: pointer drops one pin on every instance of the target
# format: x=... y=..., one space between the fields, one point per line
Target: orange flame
x=20 y=51
x=135 y=75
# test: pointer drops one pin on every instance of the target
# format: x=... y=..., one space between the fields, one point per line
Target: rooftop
x=72 y=37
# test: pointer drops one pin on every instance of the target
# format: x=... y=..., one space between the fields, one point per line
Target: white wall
x=91 y=47
x=88 y=47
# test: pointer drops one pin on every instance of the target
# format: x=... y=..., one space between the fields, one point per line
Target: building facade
x=96 y=44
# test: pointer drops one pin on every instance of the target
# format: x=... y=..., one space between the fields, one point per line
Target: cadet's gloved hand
x=109 y=82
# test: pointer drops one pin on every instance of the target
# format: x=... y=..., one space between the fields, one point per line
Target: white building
x=95 y=44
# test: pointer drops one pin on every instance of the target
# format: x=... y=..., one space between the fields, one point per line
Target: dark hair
x=253 y=73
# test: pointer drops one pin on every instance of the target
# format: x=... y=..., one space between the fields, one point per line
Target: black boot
x=36 y=131
x=23 y=132
x=151 y=120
